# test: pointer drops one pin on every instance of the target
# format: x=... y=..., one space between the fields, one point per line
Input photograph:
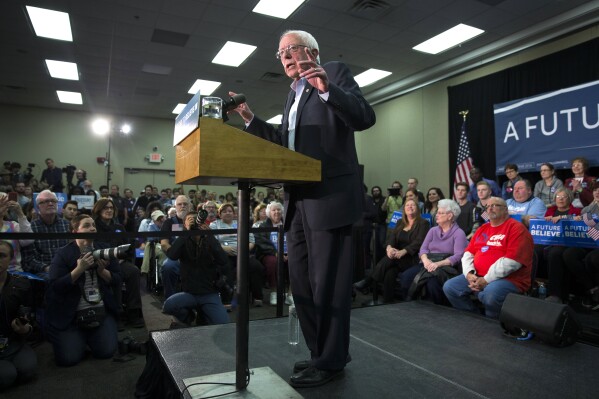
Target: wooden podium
x=219 y=154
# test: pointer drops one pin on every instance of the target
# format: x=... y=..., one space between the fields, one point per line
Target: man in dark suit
x=323 y=110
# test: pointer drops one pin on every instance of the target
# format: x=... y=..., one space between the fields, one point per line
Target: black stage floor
x=405 y=350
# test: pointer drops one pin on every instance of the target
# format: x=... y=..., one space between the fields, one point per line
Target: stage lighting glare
x=101 y=127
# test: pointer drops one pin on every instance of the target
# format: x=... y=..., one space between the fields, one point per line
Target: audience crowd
x=468 y=253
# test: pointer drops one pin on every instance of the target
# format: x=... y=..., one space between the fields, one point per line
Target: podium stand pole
x=243 y=308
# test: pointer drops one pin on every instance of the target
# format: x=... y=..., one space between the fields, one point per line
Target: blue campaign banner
x=397 y=215
x=553 y=127
x=570 y=233
x=274 y=238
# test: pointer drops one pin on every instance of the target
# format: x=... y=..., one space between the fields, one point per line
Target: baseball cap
x=157 y=214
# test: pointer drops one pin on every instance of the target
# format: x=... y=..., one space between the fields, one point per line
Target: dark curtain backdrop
x=569 y=67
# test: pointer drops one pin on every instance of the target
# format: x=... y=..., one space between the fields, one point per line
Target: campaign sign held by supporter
x=570 y=233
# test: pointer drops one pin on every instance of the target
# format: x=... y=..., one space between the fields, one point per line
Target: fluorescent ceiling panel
x=370 y=76
x=50 y=24
x=448 y=39
x=276 y=120
x=205 y=87
x=277 y=8
x=69 y=97
x=62 y=69
x=178 y=109
x=233 y=54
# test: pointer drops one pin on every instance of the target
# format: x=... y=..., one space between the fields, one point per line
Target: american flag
x=592 y=232
x=464 y=161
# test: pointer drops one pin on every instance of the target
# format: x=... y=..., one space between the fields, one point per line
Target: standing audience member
x=581 y=183
x=37 y=257
x=546 y=188
x=467 y=209
x=129 y=201
x=511 y=172
x=202 y=262
x=18 y=361
x=433 y=197
x=477 y=176
x=497 y=261
x=143 y=200
x=22 y=199
x=21 y=225
x=413 y=183
x=81 y=309
x=381 y=223
x=121 y=205
x=393 y=201
x=403 y=245
x=52 y=177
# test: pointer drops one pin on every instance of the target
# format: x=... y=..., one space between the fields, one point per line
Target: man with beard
x=171 y=268
x=210 y=207
x=497 y=261
x=381 y=223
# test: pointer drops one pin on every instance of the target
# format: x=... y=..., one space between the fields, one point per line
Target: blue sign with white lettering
x=570 y=233
x=554 y=127
x=188 y=120
x=274 y=238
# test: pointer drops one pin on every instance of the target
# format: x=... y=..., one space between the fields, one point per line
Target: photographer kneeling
x=81 y=308
x=202 y=262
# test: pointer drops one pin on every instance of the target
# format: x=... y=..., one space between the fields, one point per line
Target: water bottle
x=293 y=337
x=542 y=291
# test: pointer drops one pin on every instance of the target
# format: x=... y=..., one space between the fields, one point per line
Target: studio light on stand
x=103 y=127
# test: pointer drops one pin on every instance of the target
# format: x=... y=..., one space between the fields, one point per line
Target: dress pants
x=321 y=274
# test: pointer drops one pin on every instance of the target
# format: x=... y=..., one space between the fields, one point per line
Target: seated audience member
x=170 y=267
x=21 y=225
x=440 y=253
x=467 y=216
x=259 y=213
x=266 y=250
x=546 y=188
x=104 y=218
x=230 y=199
x=393 y=202
x=581 y=183
x=88 y=187
x=22 y=199
x=402 y=249
x=18 y=361
x=69 y=210
x=202 y=263
x=228 y=243
x=551 y=256
x=412 y=193
x=497 y=261
x=433 y=197
x=81 y=177
x=153 y=206
x=525 y=204
x=37 y=257
x=582 y=264
x=477 y=176
x=158 y=218
x=210 y=207
x=81 y=309
x=511 y=172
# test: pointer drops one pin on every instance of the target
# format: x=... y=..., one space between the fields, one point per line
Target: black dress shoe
x=313 y=377
x=363 y=286
x=301 y=365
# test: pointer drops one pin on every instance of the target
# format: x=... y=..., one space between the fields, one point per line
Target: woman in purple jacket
x=440 y=256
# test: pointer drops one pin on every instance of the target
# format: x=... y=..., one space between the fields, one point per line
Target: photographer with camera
x=203 y=266
x=18 y=361
x=81 y=308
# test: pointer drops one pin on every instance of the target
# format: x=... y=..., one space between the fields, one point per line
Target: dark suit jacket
x=325 y=131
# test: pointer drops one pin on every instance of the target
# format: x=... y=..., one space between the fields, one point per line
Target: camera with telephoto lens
x=120 y=252
x=200 y=220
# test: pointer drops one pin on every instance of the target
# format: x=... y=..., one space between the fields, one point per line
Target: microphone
x=233 y=102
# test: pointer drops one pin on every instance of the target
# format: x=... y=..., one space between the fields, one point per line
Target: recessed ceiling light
x=370 y=76
x=205 y=87
x=277 y=8
x=276 y=120
x=69 y=97
x=177 y=110
x=448 y=39
x=62 y=69
x=51 y=24
x=233 y=54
